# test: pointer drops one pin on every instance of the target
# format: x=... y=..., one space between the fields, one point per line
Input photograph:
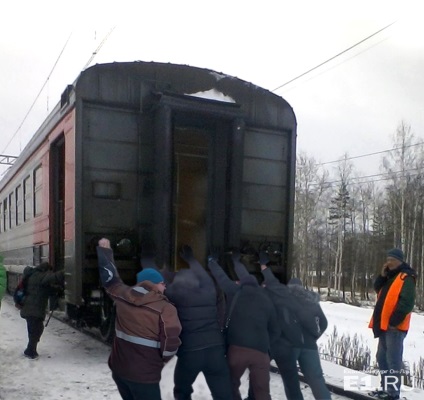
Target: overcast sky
x=352 y=104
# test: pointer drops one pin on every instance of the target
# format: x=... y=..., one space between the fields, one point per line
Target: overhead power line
x=38 y=95
x=369 y=154
x=332 y=58
x=384 y=176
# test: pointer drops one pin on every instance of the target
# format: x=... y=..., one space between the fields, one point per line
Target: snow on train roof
x=212 y=94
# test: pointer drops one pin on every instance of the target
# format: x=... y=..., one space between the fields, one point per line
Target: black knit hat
x=396 y=253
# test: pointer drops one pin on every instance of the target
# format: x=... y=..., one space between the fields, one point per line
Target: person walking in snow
x=147 y=328
x=390 y=320
x=39 y=282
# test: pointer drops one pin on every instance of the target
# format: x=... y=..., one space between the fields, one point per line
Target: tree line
x=345 y=222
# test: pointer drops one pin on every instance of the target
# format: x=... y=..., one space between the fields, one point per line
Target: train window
x=107 y=190
x=12 y=210
x=27 y=198
x=19 y=205
x=5 y=216
x=38 y=191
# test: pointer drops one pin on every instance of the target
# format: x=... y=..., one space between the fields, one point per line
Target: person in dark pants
x=38 y=284
x=147 y=329
x=252 y=329
x=202 y=350
x=390 y=320
x=291 y=335
x=304 y=304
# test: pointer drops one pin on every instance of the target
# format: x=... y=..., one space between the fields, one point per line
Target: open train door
x=57 y=200
x=198 y=167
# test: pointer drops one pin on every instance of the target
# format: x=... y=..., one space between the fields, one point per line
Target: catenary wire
x=370 y=154
x=334 y=57
x=38 y=95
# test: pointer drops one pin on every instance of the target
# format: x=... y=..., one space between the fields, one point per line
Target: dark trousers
x=35 y=327
x=287 y=365
x=242 y=358
x=135 y=390
x=212 y=363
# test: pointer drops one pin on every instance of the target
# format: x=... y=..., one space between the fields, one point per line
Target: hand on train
x=186 y=253
x=235 y=255
x=263 y=258
x=214 y=254
x=104 y=243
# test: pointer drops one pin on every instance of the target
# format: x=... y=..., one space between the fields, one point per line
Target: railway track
x=333 y=388
x=94 y=333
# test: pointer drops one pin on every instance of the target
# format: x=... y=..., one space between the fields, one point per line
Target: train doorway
x=191 y=191
x=57 y=201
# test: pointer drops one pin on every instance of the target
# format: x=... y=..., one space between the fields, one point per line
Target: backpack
x=291 y=326
x=19 y=293
x=291 y=329
x=308 y=311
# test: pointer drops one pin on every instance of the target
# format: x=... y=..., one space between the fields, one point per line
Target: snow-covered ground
x=74 y=366
x=350 y=320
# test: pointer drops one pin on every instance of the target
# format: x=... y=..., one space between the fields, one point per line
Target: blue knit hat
x=149 y=274
x=396 y=253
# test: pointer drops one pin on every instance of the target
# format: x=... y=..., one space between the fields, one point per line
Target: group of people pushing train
x=183 y=314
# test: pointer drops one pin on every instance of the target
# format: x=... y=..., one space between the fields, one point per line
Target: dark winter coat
x=309 y=313
x=194 y=295
x=39 y=283
x=290 y=328
x=405 y=302
x=280 y=295
x=253 y=323
x=147 y=325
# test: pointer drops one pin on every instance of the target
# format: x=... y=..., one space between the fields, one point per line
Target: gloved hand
x=186 y=253
x=263 y=258
x=213 y=255
x=235 y=255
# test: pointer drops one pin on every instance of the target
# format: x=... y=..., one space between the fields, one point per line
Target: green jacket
x=3 y=280
x=38 y=288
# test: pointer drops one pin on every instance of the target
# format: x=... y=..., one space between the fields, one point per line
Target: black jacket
x=309 y=313
x=194 y=295
x=253 y=322
x=38 y=288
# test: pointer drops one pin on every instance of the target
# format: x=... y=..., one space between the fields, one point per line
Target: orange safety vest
x=390 y=303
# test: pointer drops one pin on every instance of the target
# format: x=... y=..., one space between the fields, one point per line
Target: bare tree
x=399 y=165
x=309 y=189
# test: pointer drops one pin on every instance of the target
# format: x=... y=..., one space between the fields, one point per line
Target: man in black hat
x=390 y=320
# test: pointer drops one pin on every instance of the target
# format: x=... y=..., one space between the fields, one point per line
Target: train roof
x=125 y=83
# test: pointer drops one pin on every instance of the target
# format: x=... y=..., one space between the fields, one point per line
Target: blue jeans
x=389 y=359
x=310 y=365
